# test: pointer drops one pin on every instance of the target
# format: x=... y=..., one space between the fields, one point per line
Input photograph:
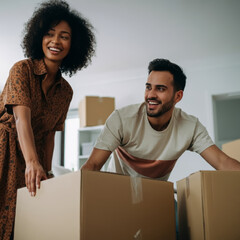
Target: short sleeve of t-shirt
x=111 y=136
x=201 y=139
x=17 y=91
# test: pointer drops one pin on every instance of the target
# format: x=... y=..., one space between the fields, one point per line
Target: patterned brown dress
x=48 y=113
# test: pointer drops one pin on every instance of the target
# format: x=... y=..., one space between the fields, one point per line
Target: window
x=70 y=143
x=226 y=112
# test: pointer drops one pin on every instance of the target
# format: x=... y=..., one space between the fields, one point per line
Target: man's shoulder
x=132 y=110
x=179 y=114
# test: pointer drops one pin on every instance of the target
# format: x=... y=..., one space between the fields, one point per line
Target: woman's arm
x=34 y=172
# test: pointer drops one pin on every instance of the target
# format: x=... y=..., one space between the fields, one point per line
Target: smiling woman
x=57 y=42
x=35 y=100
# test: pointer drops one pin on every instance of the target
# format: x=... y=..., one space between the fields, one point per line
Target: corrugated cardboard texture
x=94 y=111
x=53 y=213
x=118 y=216
x=190 y=212
x=222 y=205
x=95 y=205
x=208 y=203
x=232 y=149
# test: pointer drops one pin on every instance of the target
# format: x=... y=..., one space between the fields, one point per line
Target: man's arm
x=219 y=160
x=96 y=160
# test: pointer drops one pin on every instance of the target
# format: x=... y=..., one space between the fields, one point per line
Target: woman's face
x=56 y=43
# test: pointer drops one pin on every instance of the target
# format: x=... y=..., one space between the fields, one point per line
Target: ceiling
x=130 y=33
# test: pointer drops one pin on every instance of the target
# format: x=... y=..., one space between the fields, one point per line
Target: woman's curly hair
x=49 y=14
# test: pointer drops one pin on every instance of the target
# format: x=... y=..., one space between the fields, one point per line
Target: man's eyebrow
x=161 y=86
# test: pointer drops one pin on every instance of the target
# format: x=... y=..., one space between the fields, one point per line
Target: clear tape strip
x=138 y=235
x=136 y=187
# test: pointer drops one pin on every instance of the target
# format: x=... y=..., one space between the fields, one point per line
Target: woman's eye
x=65 y=37
x=49 y=34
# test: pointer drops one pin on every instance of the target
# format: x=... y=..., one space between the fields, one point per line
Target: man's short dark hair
x=165 y=65
x=49 y=14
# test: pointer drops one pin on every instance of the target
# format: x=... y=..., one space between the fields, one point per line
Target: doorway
x=226 y=117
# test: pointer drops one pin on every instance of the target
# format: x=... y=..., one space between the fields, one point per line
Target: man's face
x=159 y=93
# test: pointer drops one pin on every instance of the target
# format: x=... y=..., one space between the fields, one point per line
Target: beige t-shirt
x=139 y=150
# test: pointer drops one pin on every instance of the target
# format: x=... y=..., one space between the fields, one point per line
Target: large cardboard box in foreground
x=90 y=205
x=95 y=110
x=232 y=149
x=209 y=206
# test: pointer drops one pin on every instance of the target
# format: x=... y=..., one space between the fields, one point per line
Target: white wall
x=201 y=36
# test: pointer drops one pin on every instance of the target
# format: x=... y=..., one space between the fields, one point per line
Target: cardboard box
x=90 y=205
x=209 y=206
x=94 y=111
x=232 y=149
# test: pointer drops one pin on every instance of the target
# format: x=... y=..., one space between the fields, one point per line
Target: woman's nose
x=55 y=39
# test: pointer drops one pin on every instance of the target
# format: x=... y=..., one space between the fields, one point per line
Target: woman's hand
x=34 y=173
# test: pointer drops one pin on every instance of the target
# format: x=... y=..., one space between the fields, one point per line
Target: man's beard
x=165 y=108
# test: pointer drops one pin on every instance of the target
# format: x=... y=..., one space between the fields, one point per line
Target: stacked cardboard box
x=91 y=205
x=209 y=206
x=232 y=149
x=95 y=110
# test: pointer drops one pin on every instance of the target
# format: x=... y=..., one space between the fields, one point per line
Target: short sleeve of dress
x=201 y=139
x=68 y=94
x=112 y=134
x=17 y=88
x=60 y=124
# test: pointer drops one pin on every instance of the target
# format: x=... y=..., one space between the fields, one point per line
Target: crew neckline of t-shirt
x=155 y=131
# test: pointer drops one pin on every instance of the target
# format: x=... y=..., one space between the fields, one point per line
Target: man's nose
x=152 y=94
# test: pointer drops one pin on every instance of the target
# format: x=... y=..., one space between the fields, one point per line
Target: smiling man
x=147 y=139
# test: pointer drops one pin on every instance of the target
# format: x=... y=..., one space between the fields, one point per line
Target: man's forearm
x=230 y=164
x=96 y=160
x=219 y=160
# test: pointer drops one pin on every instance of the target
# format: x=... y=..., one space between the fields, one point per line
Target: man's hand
x=34 y=173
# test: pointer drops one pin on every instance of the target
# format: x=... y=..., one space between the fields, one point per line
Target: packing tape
x=187 y=187
x=136 y=187
x=138 y=235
